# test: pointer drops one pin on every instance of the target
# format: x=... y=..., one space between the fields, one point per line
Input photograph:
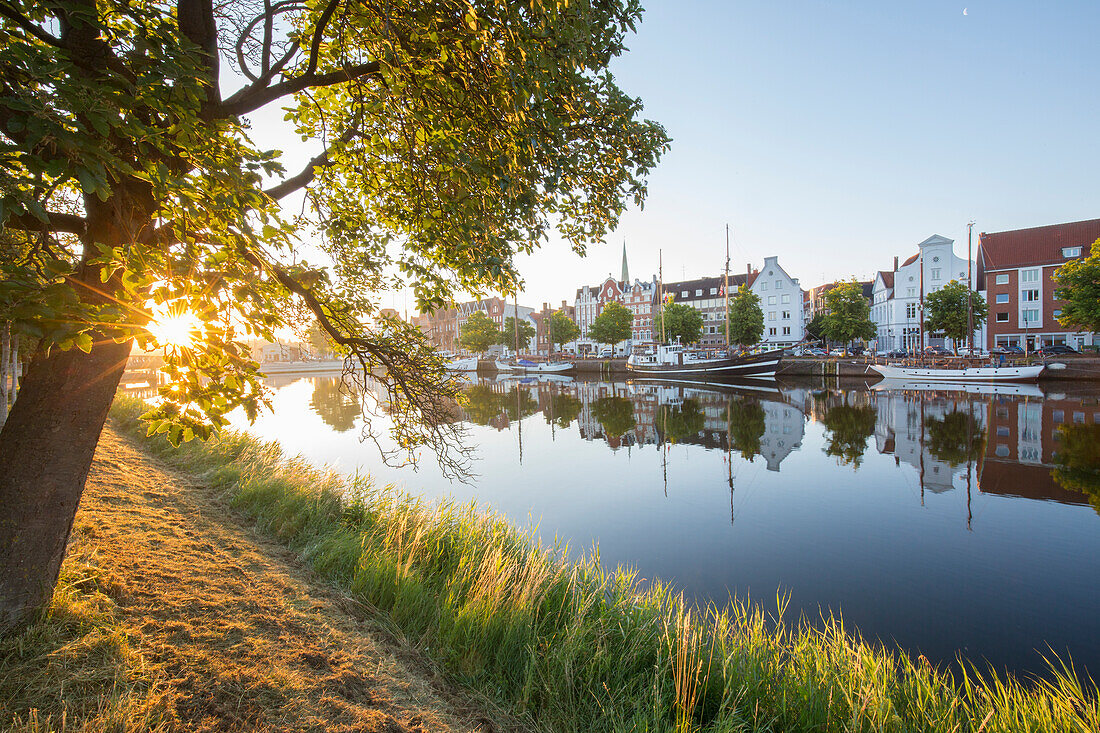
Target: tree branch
x=308 y=173
x=23 y=22
x=259 y=94
x=63 y=223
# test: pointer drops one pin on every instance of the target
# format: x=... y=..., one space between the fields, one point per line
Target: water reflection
x=948 y=522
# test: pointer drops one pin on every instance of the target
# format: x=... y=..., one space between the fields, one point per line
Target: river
x=948 y=523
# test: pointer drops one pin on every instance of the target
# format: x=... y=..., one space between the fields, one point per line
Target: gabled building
x=781 y=299
x=1016 y=269
x=706 y=295
x=897 y=296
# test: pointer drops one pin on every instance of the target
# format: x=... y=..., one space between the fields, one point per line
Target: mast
x=661 y=292
x=515 y=318
x=727 y=292
x=920 y=311
x=969 y=290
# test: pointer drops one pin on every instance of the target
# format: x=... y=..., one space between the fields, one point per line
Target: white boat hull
x=463 y=364
x=972 y=374
x=557 y=368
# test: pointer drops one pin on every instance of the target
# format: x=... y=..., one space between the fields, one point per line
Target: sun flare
x=174 y=329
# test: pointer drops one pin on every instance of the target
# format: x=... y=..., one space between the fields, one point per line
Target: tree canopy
x=508 y=333
x=945 y=312
x=479 y=332
x=1077 y=283
x=613 y=325
x=849 y=315
x=562 y=329
x=615 y=414
x=679 y=321
x=433 y=141
x=746 y=318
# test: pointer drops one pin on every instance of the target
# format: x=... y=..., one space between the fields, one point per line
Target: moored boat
x=456 y=363
x=968 y=374
x=674 y=360
x=543 y=367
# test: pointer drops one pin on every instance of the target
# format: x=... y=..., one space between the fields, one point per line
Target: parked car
x=938 y=351
x=837 y=352
x=816 y=352
x=856 y=350
x=1057 y=350
x=1008 y=350
x=897 y=354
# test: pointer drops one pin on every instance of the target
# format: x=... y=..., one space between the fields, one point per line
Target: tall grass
x=578 y=648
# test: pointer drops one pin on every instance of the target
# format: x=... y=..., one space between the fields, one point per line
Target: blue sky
x=839 y=134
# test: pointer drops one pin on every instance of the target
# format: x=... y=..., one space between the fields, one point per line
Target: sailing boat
x=677 y=361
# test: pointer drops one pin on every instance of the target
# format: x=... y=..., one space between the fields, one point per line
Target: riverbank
x=173 y=615
x=578 y=648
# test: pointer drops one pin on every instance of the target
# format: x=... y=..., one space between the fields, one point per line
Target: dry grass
x=172 y=616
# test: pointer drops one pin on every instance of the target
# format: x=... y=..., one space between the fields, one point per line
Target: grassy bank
x=580 y=649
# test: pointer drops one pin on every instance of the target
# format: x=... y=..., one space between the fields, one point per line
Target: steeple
x=626 y=273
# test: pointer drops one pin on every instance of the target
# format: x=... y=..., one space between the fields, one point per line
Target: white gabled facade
x=896 y=296
x=781 y=300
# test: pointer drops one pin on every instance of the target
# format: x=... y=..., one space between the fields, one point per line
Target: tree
x=847 y=429
x=1078 y=284
x=956 y=438
x=849 y=315
x=679 y=321
x=614 y=324
x=678 y=424
x=444 y=143
x=747 y=423
x=562 y=329
x=1078 y=460
x=816 y=327
x=508 y=333
x=563 y=409
x=338 y=406
x=615 y=414
x=478 y=333
x=946 y=312
x=746 y=318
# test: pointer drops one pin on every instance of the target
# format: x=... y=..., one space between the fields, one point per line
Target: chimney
x=895 y=263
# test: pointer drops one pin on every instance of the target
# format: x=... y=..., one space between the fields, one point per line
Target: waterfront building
x=542 y=343
x=897 y=295
x=706 y=295
x=443 y=325
x=1016 y=268
x=781 y=299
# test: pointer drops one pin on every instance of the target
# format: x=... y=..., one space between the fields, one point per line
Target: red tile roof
x=911 y=260
x=1036 y=246
x=887 y=277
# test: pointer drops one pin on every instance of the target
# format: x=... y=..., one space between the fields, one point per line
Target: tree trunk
x=3 y=372
x=46 y=449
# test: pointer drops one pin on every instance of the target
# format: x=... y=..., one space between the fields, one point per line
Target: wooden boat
x=456 y=363
x=542 y=367
x=968 y=374
x=676 y=361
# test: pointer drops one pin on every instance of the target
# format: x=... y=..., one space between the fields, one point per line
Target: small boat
x=676 y=361
x=456 y=363
x=1015 y=389
x=969 y=374
x=543 y=367
x=504 y=366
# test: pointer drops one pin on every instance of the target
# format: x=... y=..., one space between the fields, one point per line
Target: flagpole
x=727 y=288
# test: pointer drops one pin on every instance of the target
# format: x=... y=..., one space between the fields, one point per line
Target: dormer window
x=1068 y=252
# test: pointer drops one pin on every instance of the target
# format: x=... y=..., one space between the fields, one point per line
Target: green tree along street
x=615 y=414
x=1078 y=460
x=946 y=312
x=747 y=423
x=443 y=144
x=956 y=438
x=508 y=333
x=1078 y=284
x=746 y=318
x=562 y=329
x=479 y=332
x=816 y=327
x=612 y=325
x=679 y=321
x=849 y=316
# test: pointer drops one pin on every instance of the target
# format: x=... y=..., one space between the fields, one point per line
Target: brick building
x=1015 y=269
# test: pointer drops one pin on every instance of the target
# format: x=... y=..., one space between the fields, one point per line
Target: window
x=771 y=315
x=1002 y=318
x=1029 y=296
x=1002 y=279
x=1079 y=418
x=1002 y=431
x=1002 y=450
x=1029 y=276
x=786 y=330
x=910 y=310
x=1058 y=313
x=714 y=291
x=684 y=294
x=936 y=272
x=1059 y=416
x=778 y=284
x=911 y=292
x=1002 y=297
x=771 y=300
x=785 y=299
x=786 y=315
x=698 y=292
x=763 y=285
x=1071 y=252
x=1031 y=315
x=771 y=331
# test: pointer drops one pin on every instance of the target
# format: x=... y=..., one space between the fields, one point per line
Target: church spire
x=626 y=272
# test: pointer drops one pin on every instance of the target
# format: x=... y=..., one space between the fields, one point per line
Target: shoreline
x=518 y=622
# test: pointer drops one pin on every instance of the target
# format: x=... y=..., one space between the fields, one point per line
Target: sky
x=837 y=135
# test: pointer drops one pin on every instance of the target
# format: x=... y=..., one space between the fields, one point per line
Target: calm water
x=932 y=519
